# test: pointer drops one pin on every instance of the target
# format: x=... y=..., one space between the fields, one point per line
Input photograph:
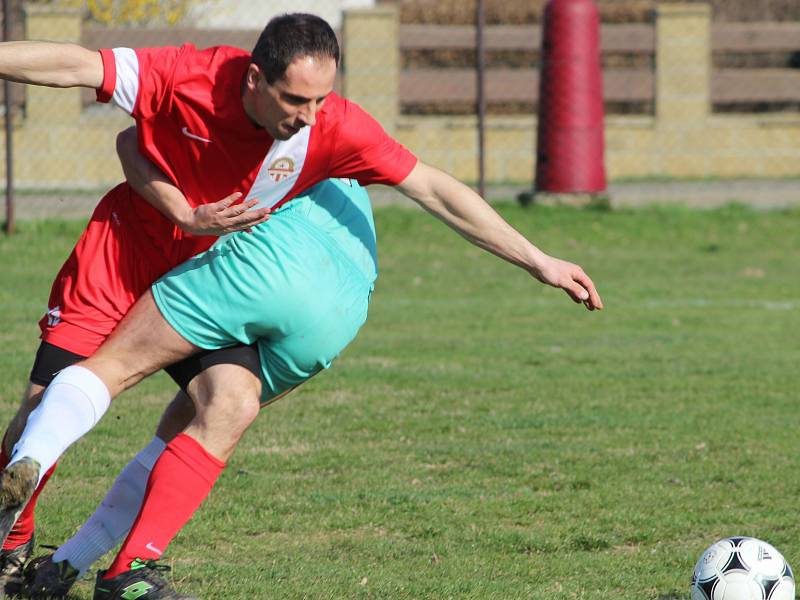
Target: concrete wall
x=60 y=145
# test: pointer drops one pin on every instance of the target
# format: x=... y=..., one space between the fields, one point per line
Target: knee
x=226 y=396
x=234 y=408
x=242 y=405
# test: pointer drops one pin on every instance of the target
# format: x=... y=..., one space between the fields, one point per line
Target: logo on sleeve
x=281 y=168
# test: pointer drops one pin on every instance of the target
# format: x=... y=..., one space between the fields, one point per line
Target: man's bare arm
x=154 y=186
x=467 y=213
x=51 y=64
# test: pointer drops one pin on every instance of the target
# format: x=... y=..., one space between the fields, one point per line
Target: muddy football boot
x=44 y=578
x=11 y=568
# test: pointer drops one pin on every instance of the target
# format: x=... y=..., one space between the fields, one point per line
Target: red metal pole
x=570 y=146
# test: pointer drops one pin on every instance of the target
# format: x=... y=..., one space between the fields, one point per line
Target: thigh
x=142 y=343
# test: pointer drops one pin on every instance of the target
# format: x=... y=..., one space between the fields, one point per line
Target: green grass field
x=484 y=437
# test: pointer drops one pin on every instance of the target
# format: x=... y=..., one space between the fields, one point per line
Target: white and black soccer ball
x=742 y=568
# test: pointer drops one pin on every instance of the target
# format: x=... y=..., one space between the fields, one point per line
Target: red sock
x=22 y=531
x=181 y=479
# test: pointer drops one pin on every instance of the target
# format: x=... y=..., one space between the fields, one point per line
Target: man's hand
x=570 y=278
x=224 y=217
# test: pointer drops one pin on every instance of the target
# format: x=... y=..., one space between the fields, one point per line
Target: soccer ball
x=742 y=568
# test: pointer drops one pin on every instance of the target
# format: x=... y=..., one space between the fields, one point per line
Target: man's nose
x=308 y=115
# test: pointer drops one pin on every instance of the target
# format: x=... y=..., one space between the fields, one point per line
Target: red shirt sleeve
x=139 y=81
x=365 y=152
x=106 y=90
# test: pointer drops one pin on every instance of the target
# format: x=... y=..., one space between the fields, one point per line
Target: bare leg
x=112 y=519
x=142 y=343
x=78 y=397
x=30 y=400
x=177 y=416
x=227 y=401
x=226 y=396
x=116 y=514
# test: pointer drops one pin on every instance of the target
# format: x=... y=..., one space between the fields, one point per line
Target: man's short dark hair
x=291 y=36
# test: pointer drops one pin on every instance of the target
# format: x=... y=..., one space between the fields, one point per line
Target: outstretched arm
x=467 y=213
x=154 y=186
x=51 y=64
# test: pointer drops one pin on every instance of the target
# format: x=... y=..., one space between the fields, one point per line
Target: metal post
x=481 y=69
x=9 y=225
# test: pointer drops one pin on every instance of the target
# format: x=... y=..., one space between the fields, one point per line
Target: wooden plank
x=631 y=37
x=620 y=85
x=512 y=85
x=95 y=38
x=755 y=85
x=755 y=37
x=462 y=37
x=613 y=38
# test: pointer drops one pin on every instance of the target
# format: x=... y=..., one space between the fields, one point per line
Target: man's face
x=293 y=101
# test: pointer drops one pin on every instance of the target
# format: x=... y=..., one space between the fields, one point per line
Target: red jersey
x=192 y=124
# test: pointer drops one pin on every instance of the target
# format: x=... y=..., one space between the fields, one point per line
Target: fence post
x=372 y=61
x=8 y=127
x=55 y=24
x=683 y=62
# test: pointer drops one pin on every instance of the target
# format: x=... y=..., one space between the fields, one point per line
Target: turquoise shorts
x=298 y=286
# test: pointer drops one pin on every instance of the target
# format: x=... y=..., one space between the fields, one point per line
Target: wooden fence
x=729 y=86
x=443 y=87
x=746 y=89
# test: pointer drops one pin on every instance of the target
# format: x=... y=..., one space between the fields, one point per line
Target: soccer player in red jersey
x=312 y=134
x=199 y=118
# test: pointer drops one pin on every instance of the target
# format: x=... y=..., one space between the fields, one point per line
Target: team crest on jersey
x=281 y=168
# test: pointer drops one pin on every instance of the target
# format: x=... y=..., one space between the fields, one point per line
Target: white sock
x=72 y=404
x=112 y=520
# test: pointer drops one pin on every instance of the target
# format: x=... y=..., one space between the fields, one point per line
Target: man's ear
x=253 y=76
